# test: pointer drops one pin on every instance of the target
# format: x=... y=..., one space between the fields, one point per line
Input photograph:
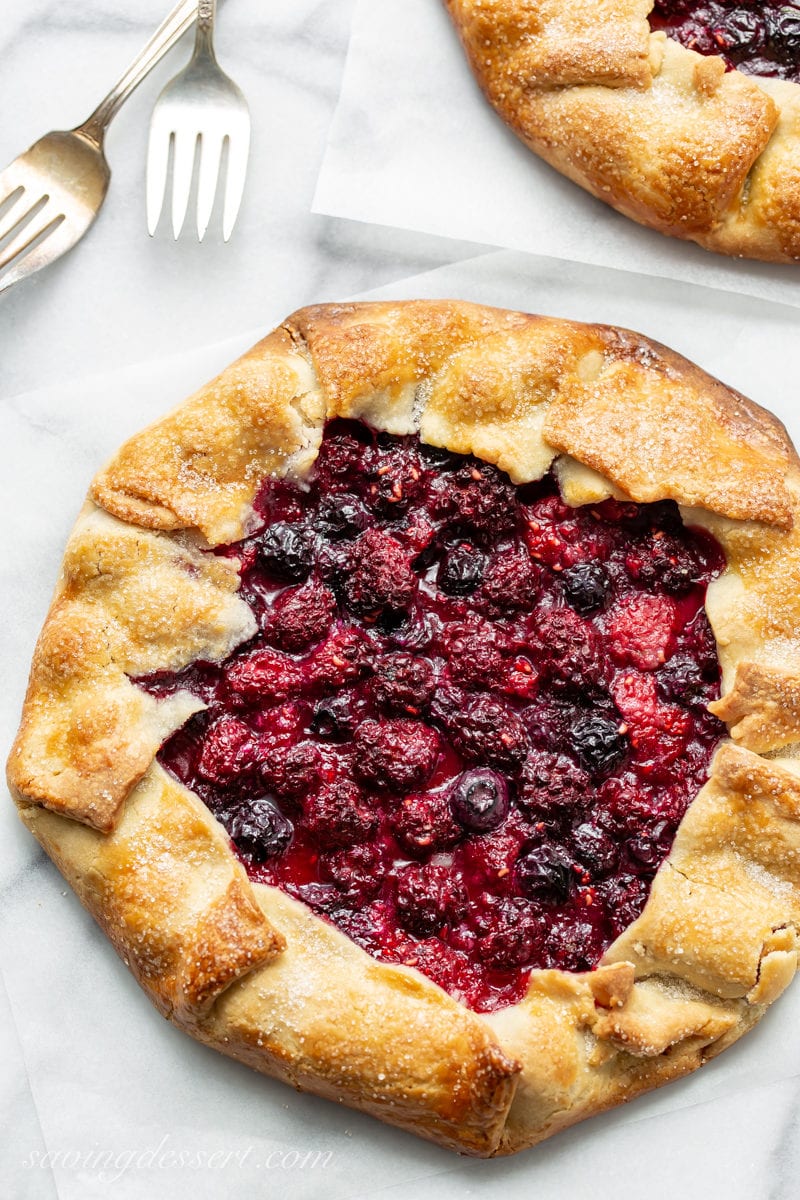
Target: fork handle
x=204 y=32
x=164 y=38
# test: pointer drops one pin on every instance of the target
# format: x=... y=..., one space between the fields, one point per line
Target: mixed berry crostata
x=682 y=114
x=418 y=714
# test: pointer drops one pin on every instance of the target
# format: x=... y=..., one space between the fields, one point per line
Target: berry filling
x=759 y=37
x=472 y=717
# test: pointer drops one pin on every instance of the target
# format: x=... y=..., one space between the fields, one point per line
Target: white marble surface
x=121 y=297
x=414 y=144
x=87 y=1068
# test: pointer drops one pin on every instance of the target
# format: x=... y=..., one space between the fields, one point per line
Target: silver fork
x=198 y=112
x=50 y=195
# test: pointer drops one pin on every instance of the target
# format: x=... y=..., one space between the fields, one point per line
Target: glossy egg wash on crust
x=759 y=38
x=472 y=717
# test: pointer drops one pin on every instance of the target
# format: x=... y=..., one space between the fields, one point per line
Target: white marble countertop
x=144 y=316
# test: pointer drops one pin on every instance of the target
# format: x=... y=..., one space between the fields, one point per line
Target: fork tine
x=157 y=165
x=182 y=170
x=238 y=152
x=7 y=222
x=60 y=239
x=46 y=222
x=208 y=176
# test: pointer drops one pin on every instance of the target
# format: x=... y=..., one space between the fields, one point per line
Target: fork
x=197 y=113
x=51 y=194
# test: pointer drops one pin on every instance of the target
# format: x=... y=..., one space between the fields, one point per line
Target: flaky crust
x=661 y=133
x=257 y=975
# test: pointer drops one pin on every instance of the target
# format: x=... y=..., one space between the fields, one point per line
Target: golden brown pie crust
x=257 y=975
x=659 y=132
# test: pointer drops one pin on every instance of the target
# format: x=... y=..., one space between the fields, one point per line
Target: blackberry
x=586 y=587
x=487 y=731
x=337 y=816
x=402 y=683
x=423 y=824
x=343 y=517
x=544 y=873
x=599 y=745
x=286 y=552
x=427 y=897
x=461 y=570
x=259 y=829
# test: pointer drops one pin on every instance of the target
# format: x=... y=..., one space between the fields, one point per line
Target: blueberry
x=259 y=829
x=343 y=516
x=286 y=552
x=586 y=587
x=479 y=800
x=544 y=873
x=461 y=570
x=333 y=719
x=741 y=30
x=784 y=29
x=599 y=744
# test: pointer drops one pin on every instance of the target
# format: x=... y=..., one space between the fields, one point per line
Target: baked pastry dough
x=254 y=972
x=665 y=135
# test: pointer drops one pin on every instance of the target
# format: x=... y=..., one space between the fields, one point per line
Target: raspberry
x=510 y=584
x=395 y=755
x=292 y=772
x=356 y=872
x=640 y=629
x=512 y=934
x=259 y=829
x=473 y=656
x=423 y=824
x=396 y=482
x=287 y=552
x=264 y=675
x=427 y=897
x=301 y=616
x=381 y=577
x=551 y=781
x=340 y=660
x=479 y=800
x=488 y=731
x=479 y=497
x=573 y=943
x=489 y=858
x=341 y=462
x=336 y=815
x=657 y=732
x=461 y=570
x=559 y=537
x=569 y=654
x=229 y=751
x=544 y=873
x=402 y=683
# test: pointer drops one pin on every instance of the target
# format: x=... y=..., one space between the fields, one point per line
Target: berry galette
x=682 y=114
x=418 y=713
